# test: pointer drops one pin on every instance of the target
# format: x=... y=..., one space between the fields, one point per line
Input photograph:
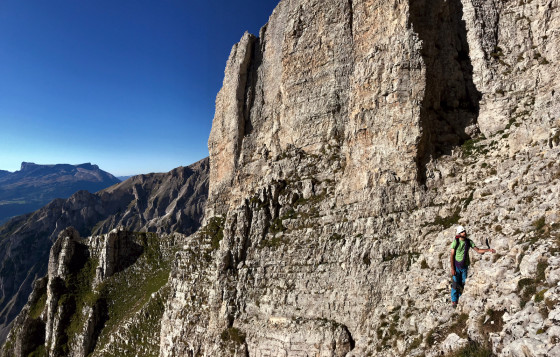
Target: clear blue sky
x=129 y=85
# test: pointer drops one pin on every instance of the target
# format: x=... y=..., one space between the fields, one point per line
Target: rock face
x=349 y=138
x=329 y=77
x=77 y=305
x=35 y=185
x=162 y=203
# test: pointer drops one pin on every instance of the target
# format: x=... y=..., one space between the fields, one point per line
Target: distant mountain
x=124 y=178
x=34 y=185
x=162 y=203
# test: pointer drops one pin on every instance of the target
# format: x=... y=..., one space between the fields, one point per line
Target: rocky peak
x=116 y=251
x=88 y=166
x=26 y=165
x=64 y=254
x=70 y=307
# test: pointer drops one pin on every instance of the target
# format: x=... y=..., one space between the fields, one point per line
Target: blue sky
x=128 y=85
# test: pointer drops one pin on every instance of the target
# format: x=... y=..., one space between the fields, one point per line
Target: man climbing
x=460 y=262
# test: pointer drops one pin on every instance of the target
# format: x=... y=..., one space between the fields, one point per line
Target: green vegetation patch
x=39 y=305
x=234 y=335
x=459 y=325
x=41 y=351
x=472 y=349
x=544 y=231
x=539 y=297
x=494 y=321
x=214 y=230
x=497 y=52
x=511 y=122
x=336 y=237
x=471 y=147
x=128 y=291
x=541 y=268
x=526 y=288
x=445 y=222
x=468 y=200
x=142 y=338
x=431 y=337
x=539 y=224
x=390 y=256
x=415 y=343
x=276 y=226
x=311 y=200
x=273 y=242
x=290 y=214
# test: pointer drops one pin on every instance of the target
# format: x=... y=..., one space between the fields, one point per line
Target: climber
x=460 y=262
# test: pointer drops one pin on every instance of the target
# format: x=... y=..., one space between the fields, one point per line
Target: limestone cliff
x=162 y=203
x=349 y=138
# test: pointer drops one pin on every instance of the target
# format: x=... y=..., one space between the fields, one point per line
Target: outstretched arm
x=482 y=251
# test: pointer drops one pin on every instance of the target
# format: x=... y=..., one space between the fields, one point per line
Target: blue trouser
x=459 y=282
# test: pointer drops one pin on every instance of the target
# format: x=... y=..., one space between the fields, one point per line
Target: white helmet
x=460 y=229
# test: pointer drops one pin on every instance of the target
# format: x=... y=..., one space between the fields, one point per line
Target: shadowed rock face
x=450 y=105
x=35 y=185
x=163 y=203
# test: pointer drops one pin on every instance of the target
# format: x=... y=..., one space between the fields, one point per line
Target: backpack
x=467 y=247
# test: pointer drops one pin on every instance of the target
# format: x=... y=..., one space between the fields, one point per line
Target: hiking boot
x=454 y=304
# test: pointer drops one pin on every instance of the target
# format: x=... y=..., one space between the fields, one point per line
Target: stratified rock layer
x=349 y=138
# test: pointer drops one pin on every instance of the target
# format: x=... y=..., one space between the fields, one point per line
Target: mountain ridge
x=162 y=202
x=349 y=139
x=35 y=185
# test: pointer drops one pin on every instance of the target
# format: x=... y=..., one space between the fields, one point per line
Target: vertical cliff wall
x=317 y=78
x=349 y=138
